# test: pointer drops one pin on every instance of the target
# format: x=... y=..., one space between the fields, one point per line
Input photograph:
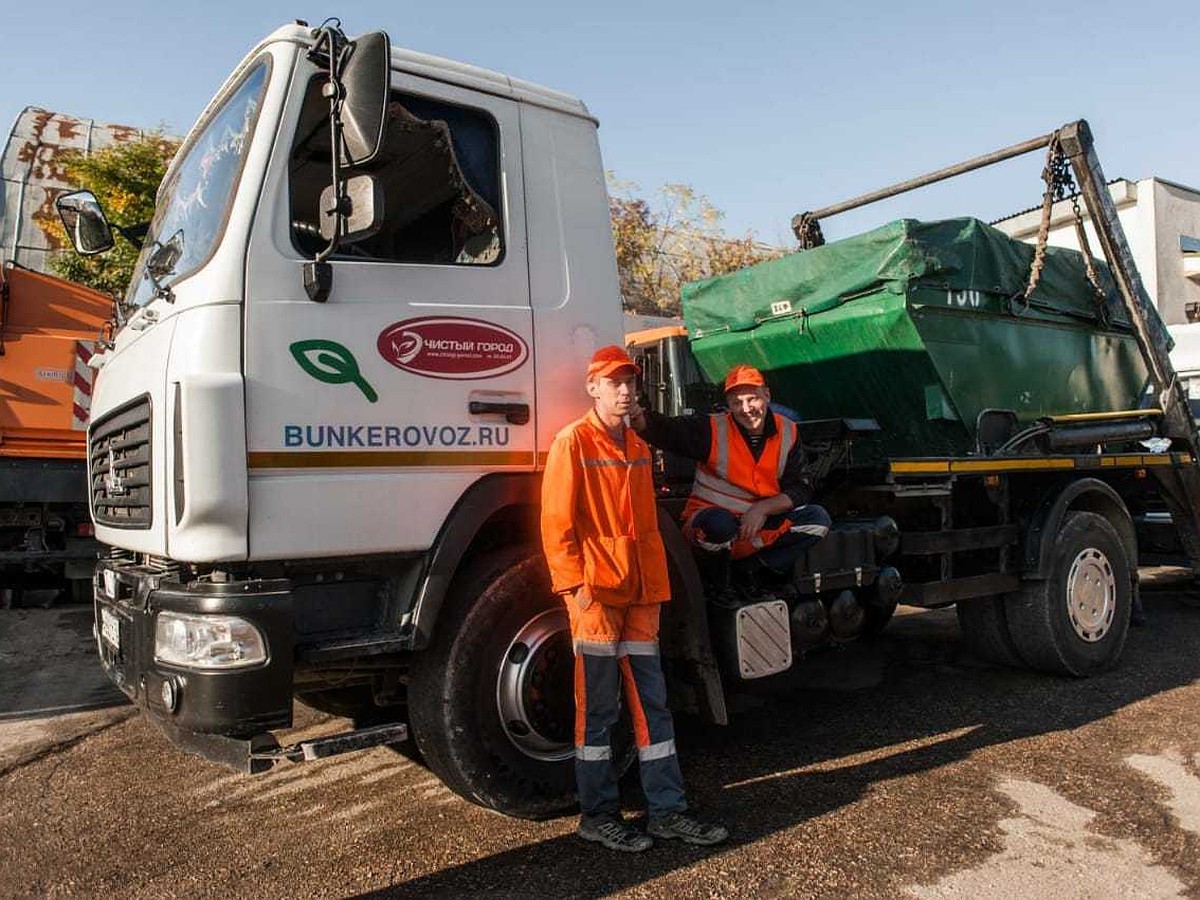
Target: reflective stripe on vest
x=713 y=485
x=787 y=440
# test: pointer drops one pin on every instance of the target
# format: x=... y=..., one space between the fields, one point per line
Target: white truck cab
x=281 y=428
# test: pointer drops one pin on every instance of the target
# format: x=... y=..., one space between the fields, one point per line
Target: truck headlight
x=207 y=642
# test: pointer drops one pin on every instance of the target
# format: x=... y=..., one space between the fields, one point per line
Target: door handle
x=514 y=413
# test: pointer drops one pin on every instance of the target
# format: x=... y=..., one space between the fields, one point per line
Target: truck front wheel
x=491 y=700
x=1075 y=622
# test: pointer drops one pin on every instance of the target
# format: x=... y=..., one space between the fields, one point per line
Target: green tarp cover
x=954 y=254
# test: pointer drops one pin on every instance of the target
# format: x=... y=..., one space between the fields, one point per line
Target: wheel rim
x=1091 y=595
x=533 y=691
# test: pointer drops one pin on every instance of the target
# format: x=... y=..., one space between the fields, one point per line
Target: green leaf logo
x=330 y=362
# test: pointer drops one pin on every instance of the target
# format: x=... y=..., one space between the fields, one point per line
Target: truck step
x=346 y=742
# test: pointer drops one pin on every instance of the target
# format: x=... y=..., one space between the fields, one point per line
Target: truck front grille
x=119 y=467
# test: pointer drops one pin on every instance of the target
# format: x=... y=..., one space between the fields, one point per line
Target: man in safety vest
x=751 y=499
x=600 y=533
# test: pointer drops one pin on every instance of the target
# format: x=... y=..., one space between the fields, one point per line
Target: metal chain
x=808 y=231
x=1056 y=173
x=1060 y=184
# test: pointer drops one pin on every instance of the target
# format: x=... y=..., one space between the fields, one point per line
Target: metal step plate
x=764 y=641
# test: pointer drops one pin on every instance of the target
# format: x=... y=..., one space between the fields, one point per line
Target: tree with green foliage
x=124 y=177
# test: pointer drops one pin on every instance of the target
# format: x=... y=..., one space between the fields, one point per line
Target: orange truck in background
x=48 y=332
x=48 y=329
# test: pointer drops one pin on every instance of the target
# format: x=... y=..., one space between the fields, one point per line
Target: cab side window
x=439 y=171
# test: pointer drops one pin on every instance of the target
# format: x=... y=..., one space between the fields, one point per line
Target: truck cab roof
x=450 y=71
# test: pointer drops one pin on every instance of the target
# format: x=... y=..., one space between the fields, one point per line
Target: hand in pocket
x=583 y=597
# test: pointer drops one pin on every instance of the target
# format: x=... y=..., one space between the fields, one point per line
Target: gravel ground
x=902 y=767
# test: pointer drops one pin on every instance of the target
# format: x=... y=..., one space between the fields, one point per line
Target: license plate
x=110 y=628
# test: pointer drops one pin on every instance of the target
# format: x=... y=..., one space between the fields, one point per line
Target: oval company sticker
x=452 y=347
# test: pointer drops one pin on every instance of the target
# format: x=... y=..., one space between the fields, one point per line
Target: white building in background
x=1162 y=223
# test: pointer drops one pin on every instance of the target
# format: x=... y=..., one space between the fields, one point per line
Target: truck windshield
x=194 y=202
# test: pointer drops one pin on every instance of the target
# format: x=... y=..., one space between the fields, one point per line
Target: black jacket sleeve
x=797 y=485
x=689 y=436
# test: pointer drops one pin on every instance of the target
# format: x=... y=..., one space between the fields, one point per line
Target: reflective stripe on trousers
x=605 y=672
x=780 y=542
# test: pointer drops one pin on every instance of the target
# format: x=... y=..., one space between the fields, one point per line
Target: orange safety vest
x=732 y=479
x=599 y=517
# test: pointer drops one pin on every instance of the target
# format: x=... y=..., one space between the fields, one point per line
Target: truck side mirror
x=85 y=223
x=366 y=79
x=363 y=210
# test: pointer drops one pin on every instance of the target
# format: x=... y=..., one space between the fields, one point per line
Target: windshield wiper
x=161 y=263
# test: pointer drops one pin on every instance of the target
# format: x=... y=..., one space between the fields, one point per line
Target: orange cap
x=609 y=359
x=743 y=376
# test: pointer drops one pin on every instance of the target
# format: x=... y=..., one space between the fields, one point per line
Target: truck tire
x=1076 y=621
x=491 y=700
x=985 y=633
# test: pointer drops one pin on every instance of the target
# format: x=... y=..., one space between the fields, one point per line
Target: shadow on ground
x=913 y=689
x=49 y=665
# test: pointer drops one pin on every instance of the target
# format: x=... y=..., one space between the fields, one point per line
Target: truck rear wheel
x=491 y=700
x=984 y=628
x=1076 y=621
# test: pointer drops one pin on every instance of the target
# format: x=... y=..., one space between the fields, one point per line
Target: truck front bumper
x=221 y=714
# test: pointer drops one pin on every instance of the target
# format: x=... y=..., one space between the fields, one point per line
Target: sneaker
x=614 y=833
x=680 y=826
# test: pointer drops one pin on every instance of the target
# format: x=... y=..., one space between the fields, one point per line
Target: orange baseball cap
x=609 y=359
x=743 y=376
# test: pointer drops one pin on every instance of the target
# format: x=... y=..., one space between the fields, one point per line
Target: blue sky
x=769 y=108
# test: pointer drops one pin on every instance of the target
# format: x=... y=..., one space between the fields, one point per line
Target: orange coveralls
x=600 y=533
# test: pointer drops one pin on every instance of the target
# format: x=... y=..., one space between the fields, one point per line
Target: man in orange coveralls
x=600 y=533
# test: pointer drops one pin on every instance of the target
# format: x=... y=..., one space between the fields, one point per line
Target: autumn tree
x=124 y=177
x=661 y=246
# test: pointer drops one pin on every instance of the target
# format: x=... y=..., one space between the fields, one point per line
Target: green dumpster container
x=921 y=326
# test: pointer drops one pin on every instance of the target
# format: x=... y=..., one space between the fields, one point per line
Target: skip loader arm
x=1181 y=485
